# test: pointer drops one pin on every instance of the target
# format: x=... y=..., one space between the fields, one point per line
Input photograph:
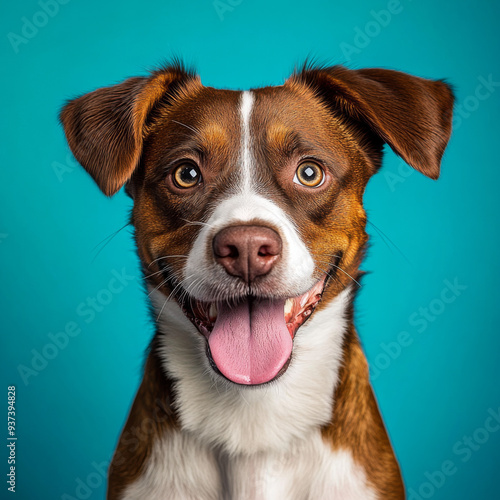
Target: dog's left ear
x=105 y=129
x=412 y=115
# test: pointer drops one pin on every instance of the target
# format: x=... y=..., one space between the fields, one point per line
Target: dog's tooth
x=212 y=313
x=288 y=306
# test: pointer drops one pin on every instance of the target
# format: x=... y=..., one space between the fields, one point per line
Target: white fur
x=309 y=470
x=256 y=419
x=292 y=276
x=179 y=468
x=246 y=159
x=182 y=468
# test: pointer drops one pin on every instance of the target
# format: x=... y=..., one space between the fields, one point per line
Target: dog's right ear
x=105 y=128
x=412 y=115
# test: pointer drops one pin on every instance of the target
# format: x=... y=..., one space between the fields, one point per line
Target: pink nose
x=247 y=251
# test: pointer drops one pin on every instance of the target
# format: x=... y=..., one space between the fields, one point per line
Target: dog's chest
x=309 y=471
x=181 y=468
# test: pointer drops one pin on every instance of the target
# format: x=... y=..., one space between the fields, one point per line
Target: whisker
x=166 y=300
x=172 y=293
x=332 y=276
x=166 y=257
x=347 y=274
x=157 y=287
x=153 y=274
x=197 y=223
x=169 y=275
x=108 y=240
x=161 y=310
x=340 y=269
x=327 y=255
x=386 y=239
x=181 y=283
x=197 y=132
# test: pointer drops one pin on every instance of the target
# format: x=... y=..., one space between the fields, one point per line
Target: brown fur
x=138 y=131
x=356 y=424
x=150 y=417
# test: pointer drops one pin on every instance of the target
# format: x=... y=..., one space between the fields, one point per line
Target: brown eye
x=309 y=174
x=186 y=176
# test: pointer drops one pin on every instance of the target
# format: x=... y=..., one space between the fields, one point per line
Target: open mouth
x=250 y=341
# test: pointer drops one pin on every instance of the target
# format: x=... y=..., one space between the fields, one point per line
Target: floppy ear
x=105 y=129
x=412 y=115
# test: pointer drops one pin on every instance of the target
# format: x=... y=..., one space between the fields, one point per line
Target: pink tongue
x=250 y=342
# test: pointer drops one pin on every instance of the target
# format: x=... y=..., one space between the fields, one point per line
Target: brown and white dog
x=250 y=227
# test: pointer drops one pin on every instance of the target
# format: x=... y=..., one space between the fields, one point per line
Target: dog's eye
x=309 y=174
x=186 y=176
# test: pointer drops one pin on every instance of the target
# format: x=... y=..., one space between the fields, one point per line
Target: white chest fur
x=310 y=470
x=244 y=443
x=181 y=468
x=247 y=420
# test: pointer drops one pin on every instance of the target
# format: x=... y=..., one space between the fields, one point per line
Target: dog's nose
x=247 y=251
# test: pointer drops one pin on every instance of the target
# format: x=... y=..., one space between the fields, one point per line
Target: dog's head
x=248 y=205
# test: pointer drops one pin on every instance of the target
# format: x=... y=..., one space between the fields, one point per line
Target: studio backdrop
x=74 y=317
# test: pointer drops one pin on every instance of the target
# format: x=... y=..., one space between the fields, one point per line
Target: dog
x=250 y=227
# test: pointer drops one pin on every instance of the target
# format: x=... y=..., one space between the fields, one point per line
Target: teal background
x=54 y=224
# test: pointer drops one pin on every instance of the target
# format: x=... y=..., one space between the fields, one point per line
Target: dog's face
x=248 y=205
